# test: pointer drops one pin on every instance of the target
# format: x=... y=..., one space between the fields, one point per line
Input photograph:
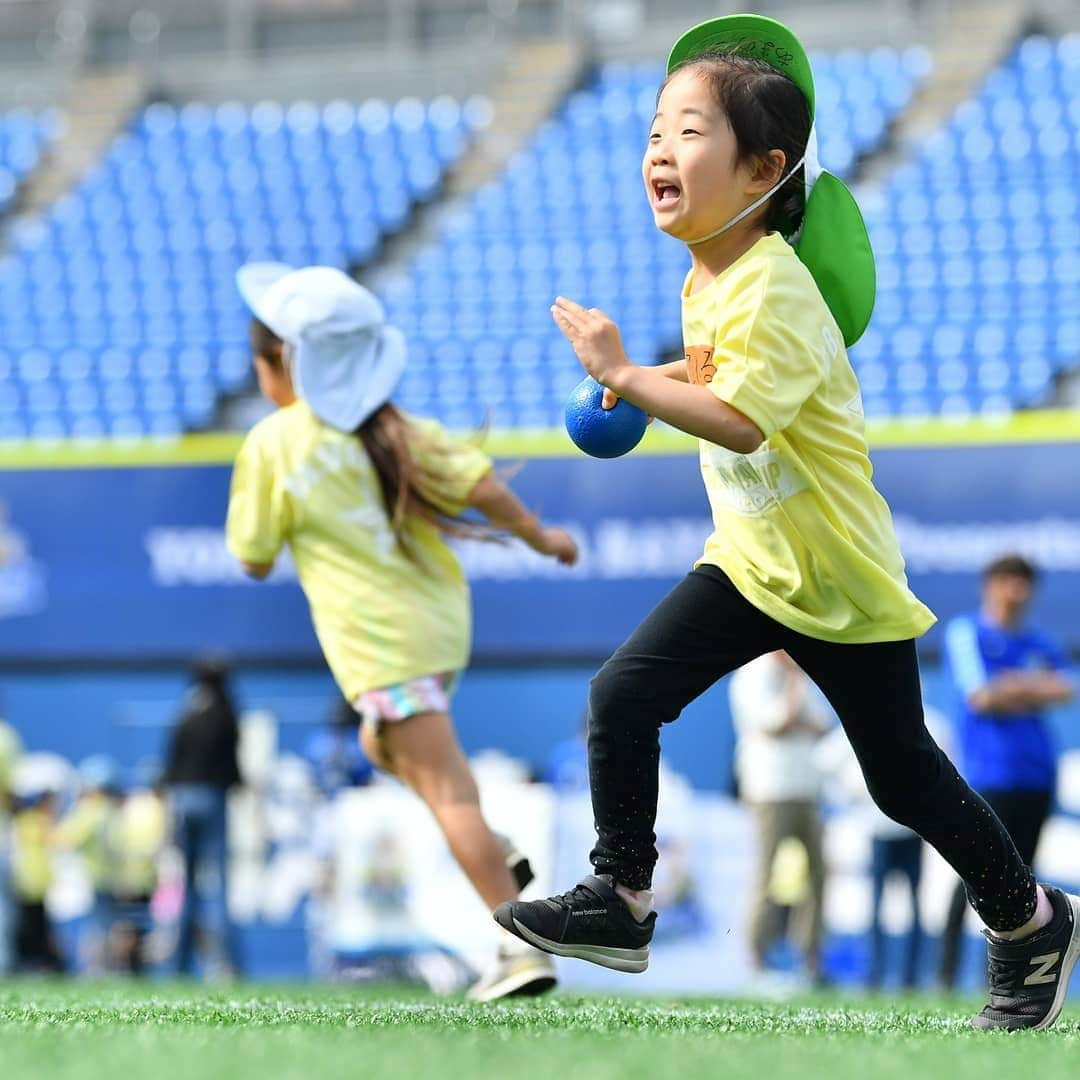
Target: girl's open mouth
x=665 y=194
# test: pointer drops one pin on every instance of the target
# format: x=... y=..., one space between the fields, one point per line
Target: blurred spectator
x=779 y=716
x=89 y=828
x=10 y=748
x=34 y=828
x=138 y=842
x=335 y=753
x=1006 y=674
x=201 y=768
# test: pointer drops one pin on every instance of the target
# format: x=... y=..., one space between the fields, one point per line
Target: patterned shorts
x=426 y=693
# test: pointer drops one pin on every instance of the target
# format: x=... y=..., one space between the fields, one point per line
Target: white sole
x=1068 y=962
x=632 y=961
x=515 y=984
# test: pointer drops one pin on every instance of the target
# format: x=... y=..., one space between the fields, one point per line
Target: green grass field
x=173 y=1031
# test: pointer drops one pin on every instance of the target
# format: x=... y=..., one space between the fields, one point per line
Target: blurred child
x=88 y=828
x=10 y=749
x=804 y=556
x=366 y=497
x=138 y=840
x=33 y=830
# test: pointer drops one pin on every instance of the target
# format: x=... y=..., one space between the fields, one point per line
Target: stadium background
x=468 y=161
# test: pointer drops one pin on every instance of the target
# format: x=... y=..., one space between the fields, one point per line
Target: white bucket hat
x=347 y=361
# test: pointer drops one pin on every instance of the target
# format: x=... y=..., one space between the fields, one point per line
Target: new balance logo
x=591 y=911
x=1042 y=973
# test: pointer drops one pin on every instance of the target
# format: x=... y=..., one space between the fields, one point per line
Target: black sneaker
x=590 y=922
x=1029 y=978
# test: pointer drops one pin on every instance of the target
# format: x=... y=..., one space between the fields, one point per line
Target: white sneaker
x=518 y=865
x=516 y=973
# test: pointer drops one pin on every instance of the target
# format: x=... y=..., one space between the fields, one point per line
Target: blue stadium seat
x=127 y=284
x=568 y=215
x=1005 y=221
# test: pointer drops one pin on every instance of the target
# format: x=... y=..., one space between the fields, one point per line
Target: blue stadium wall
x=111 y=578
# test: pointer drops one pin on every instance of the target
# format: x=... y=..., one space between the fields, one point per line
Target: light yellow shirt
x=381 y=617
x=799 y=526
x=31 y=861
x=86 y=828
x=139 y=837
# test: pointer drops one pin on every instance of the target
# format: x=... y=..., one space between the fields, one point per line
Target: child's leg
x=700 y=631
x=876 y=693
x=1023 y=813
x=423 y=753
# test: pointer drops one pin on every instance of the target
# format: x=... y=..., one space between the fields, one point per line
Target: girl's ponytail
x=407 y=487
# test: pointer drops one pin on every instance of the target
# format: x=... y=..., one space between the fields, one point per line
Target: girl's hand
x=559 y=544
x=610 y=399
x=594 y=337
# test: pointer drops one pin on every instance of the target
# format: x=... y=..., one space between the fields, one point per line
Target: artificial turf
x=169 y=1031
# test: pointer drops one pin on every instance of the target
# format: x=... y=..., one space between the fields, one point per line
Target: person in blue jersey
x=1006 y=674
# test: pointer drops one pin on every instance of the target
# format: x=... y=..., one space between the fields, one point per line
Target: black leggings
x=704 y=629
x=1024 y=814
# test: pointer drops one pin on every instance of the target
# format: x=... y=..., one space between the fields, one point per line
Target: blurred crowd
x=116 y=827
x=142 y=857
x=135 y=863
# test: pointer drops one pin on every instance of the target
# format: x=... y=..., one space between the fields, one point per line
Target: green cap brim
x=749 y=35
x=834 y=246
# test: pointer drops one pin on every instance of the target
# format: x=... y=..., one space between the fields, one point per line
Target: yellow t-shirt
x=381 y=616
x=86 y=828
x=31 y=861
x=799 y=526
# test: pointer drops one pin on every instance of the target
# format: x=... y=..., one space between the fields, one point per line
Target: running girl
x=803 y=557
x=365 y=497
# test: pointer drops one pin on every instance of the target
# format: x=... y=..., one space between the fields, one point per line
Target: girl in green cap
x=804 y=557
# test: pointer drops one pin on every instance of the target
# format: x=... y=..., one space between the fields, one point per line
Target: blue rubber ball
x=602 y=433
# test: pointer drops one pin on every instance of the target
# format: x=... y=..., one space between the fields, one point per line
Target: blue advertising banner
x=130 y=563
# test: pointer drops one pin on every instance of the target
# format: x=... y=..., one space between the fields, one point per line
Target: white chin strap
x=813 y=171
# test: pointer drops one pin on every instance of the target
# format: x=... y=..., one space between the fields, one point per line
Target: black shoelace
x=578 y=892
x=1005 y=973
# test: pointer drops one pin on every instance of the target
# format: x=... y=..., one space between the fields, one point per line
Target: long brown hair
x=406 y=486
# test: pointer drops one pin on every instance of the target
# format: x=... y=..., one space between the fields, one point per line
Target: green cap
x=832 y=243
x=755 y=36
